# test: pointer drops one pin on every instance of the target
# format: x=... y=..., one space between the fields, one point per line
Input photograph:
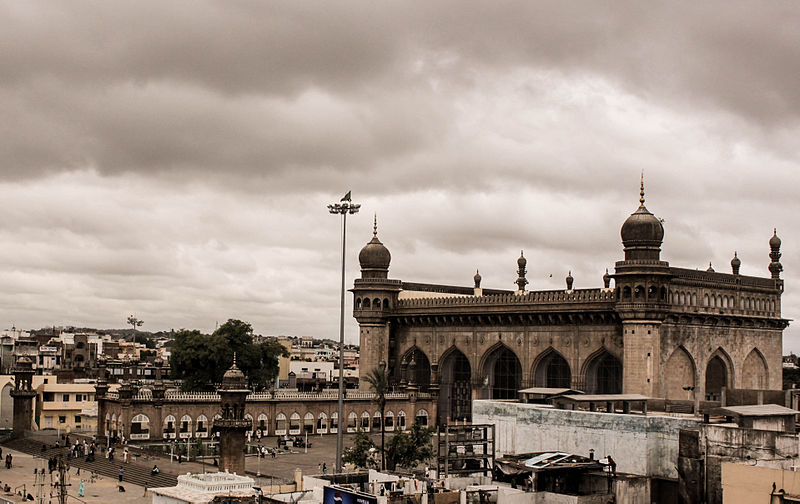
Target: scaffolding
x=464 y=449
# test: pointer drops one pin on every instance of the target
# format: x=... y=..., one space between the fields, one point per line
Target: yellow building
x=67 y=407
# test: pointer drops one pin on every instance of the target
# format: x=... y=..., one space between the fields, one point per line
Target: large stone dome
x=642 y=228
x=374 y=255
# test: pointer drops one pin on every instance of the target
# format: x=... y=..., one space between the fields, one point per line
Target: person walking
x=121 y=472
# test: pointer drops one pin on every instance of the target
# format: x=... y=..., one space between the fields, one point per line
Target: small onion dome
x=775 y=242
x=569 y=280
x=642 y=228
x=521 y=262
x=477 y=279
x=710 y=268
x=233 y=376
x=735 y=263
x=606 y=279
x=374 y=255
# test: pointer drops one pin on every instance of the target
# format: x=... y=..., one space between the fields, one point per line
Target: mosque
x=660 y=330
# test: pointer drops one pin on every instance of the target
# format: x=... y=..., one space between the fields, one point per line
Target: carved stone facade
x=661 y=331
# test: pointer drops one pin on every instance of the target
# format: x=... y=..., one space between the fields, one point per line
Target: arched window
x=201 y=430
x=352 y=421
x=422 y=417
x=376 y=421
x=552 y=371
x=401 y=420
x=308 y=423
x=322 y=423
x=280 y=424
x=169 y=427
x=358 y=303
x=366 y=303
x=754 y=371
x=376 y=303
x=334 y=428
x=388 y=422
x=705 y=300
x=365 y=421
x=263 y=422
x=186 y=426
x=603 y=374
x=140 y=427
x=679 y=380
x=294 y=423
x=716 y=378
x=694 y=299
x=385 y=303
x=252 y=423
x=503 y=373
x=626 y=294
x=638 y=292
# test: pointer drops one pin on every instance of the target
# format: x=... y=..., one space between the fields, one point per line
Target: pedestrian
x=145 y=490
x=319 y=468
x=125 y=455
x=121 y=471
x=613 y=465
x=324 y=468
x=9 y=459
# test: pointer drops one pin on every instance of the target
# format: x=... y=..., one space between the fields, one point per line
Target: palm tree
x=378 y=382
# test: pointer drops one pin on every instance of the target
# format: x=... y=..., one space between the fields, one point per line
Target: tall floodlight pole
x=344 y=207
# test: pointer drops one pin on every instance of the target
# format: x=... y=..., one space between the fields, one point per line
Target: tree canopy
x=361 y=451
x=409 y=448
x=200 y=359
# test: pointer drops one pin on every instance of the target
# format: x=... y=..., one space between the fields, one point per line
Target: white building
x=202 y=488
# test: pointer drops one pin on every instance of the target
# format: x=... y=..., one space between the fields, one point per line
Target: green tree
x=359 y=453
x=378 y=382
x=410 y=448
x=200 y=360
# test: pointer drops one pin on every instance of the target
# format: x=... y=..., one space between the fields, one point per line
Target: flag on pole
x=346 y=197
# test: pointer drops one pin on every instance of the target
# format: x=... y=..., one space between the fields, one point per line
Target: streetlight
x=344 y=207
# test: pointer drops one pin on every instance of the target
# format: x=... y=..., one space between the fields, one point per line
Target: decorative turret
x=477 y=279
x=569 y=280
x=736 y=263
x=710 y=268
x=775 y=267
x=521 y=271
x=606 y=280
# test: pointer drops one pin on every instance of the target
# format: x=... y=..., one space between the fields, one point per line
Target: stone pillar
x=642 y=357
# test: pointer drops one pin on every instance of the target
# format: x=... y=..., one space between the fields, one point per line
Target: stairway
x=135 y=473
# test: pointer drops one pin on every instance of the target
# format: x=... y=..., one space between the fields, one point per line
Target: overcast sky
x=174 y=160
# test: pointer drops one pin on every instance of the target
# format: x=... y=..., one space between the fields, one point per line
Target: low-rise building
x=67 y=406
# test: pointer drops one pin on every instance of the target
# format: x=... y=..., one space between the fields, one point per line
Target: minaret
x=233 y=425
x=736 y=263
x=641 y=285
x=375 y=297
x=521 y=271
x=775 y=266
x=23 y=395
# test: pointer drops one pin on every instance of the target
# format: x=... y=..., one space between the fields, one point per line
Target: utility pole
x=346 y=206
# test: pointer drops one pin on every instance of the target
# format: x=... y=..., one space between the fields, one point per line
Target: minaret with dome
x=233 y=425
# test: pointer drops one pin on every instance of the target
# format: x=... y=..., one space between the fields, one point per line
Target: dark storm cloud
x=270 y=88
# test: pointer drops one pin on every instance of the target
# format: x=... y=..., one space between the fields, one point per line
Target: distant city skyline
x=174 y=160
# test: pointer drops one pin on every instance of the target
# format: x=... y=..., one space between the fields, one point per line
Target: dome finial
x=234 y=359
x=375 y=225
x=641 y=190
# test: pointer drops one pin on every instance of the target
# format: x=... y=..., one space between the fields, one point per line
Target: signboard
x=337 y=495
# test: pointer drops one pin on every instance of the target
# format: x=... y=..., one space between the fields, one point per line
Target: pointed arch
x=718 y=374
x=602 y=373
x=755 y=372
x=422 y=368
x=551 y=369
x=679 y=374
x=502 y=372
x=455 y=390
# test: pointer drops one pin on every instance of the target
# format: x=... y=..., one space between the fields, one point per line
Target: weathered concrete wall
x=641 y=445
